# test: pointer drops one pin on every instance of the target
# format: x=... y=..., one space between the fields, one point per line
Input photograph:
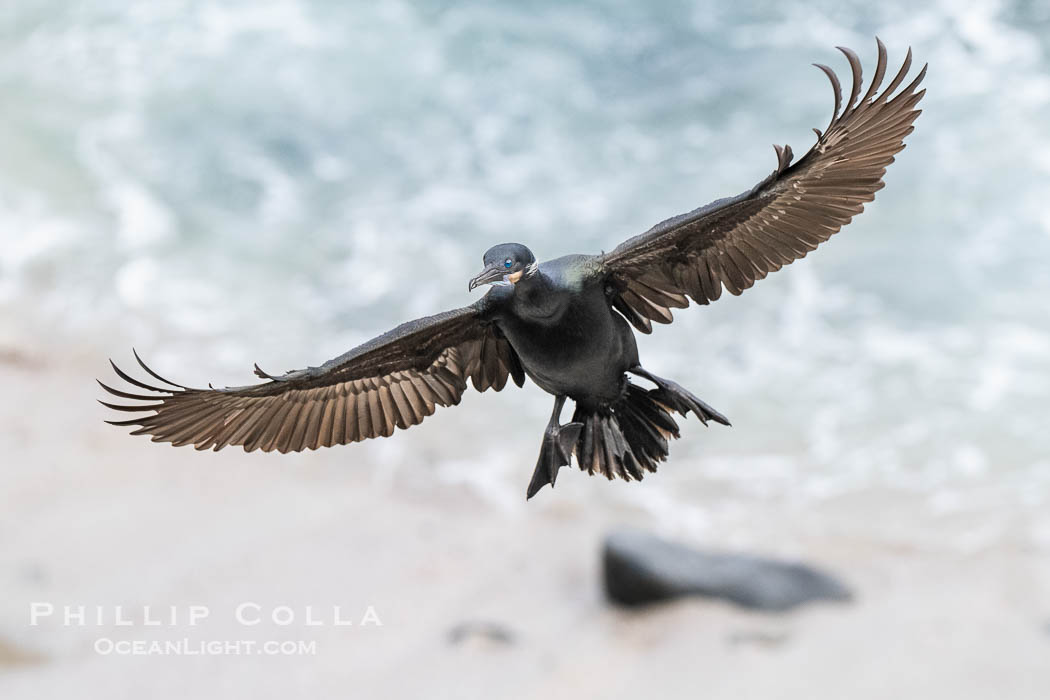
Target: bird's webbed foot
x=680 y=399
x=555 y=452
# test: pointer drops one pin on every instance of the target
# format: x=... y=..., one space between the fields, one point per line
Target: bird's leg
x=678 y=398
x=556 y=450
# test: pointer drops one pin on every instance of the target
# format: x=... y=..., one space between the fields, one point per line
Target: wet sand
x=92 y=517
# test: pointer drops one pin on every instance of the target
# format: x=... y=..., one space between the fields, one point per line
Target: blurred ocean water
x=229 y=182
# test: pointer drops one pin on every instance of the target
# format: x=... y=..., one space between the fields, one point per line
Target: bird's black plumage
x=565 y=323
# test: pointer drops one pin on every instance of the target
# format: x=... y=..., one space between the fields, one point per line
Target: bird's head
x=505 y=263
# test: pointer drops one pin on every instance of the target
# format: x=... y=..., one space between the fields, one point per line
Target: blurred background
x=228 y=182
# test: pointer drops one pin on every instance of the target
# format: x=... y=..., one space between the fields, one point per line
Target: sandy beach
x=92 y=517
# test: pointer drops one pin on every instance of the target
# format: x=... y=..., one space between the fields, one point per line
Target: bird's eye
x=508 y=263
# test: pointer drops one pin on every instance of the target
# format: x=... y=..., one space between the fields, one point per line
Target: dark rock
x=12 y=655
x=769 y=639
x=492 y=633
x=640 y=568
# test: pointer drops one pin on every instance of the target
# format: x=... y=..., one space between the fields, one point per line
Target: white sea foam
x=239 y=183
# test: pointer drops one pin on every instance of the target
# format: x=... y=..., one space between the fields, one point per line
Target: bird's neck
x=536 y=296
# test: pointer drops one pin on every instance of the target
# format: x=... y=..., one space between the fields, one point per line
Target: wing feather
x=733 y=242
x=392 y=381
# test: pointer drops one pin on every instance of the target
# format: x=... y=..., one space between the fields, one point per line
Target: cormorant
x=565 y=323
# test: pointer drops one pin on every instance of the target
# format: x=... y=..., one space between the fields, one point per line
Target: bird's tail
x=628 y=437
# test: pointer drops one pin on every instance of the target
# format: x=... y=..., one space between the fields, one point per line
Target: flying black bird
x=565 y=323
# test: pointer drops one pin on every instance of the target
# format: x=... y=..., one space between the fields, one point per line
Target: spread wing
x=395 y=380
x=733 y=242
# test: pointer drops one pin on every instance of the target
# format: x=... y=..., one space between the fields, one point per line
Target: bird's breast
x=580 y=350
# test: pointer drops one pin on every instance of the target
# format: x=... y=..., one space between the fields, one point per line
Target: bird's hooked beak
x=490 y=275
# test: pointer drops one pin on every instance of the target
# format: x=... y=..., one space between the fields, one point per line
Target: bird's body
x=567 y=323
x=565 y=332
